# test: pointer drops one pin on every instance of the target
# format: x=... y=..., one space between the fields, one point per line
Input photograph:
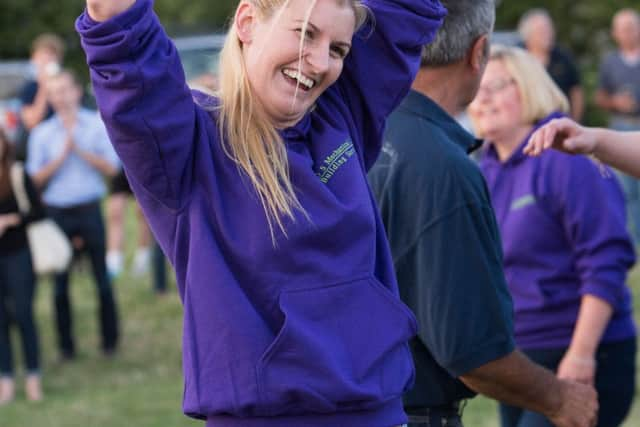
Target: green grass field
x=142 y=385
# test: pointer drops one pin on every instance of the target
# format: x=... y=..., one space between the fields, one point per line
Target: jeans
x=17 y=288
x=159 y=270
x=85 y=222
x=615 y=383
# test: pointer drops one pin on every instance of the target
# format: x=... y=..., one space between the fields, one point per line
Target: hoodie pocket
x=341 y=347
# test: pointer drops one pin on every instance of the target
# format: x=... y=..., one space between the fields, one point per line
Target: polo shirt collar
x=421 y=105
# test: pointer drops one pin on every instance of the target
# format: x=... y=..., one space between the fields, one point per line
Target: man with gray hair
x=446 y=246
x=539 y=37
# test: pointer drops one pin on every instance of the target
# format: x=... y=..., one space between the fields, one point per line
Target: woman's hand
x=564 y=135
x=101 y=10
x=581 y=369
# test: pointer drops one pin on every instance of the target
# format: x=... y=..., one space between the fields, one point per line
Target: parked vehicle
x=13 y=75
x=199 y=56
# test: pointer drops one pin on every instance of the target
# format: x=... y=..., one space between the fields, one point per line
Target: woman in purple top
x=260 y=200
x=566 y=249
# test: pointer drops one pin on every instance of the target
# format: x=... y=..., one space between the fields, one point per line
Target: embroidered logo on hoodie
x=522 y=201
x=339 y=157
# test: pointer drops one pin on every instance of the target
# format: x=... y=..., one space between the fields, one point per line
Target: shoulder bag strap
x=19 y=191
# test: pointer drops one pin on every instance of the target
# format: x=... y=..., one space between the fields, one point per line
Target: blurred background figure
x=47 y=53
x=68 y=156
x=120 y=193
x=539 y=36
x=566 y=248
x=17 y=282
x=619 y=94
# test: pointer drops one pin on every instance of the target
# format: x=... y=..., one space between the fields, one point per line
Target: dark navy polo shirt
x=446 y=249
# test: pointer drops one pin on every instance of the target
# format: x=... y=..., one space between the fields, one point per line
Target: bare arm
x=579 y=362
x=41 y=177
x=101 y=10
x=35 y=112
x=515 y=380
x=102 y=165
x=618 y=149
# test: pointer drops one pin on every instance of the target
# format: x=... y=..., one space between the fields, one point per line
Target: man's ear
x=479 y=53
x=244 y=21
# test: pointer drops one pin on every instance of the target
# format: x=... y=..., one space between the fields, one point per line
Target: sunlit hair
x=250 y=139
x=539 y=95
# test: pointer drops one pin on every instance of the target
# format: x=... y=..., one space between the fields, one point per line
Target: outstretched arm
x=615 y=148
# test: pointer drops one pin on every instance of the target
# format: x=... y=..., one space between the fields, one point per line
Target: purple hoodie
x=564 y=235
x=311 y=332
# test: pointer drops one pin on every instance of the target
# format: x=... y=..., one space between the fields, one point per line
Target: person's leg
x=116 y=204
x=94 y=236
x=143 y=255
x=615 y=381
x=62 y=302
x=23 y=284
x=7 y=388
x=159 y=270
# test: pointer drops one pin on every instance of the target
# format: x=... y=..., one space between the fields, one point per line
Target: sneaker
x=114 y=264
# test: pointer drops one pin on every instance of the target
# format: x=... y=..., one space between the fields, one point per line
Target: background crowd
x=577 y=246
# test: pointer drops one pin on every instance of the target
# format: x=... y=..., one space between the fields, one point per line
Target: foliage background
x=582 y=26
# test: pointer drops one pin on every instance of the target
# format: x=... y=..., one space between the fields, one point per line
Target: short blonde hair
x=539 y=95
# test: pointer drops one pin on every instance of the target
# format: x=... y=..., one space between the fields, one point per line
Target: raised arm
x=142 y=95
x=383 y=62
x=615 y=148
x=101 y=10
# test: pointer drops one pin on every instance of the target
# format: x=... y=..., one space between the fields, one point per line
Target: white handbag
x=51 y=250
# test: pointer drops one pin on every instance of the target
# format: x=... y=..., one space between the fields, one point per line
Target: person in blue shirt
x=68 y=156
x=446 y=245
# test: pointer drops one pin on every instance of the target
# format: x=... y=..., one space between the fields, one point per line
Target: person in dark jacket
x=446 y=245
x=17 y=281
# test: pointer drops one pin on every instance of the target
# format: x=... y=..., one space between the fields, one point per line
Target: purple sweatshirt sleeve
x=143 y=97
x=593 y=215
x=383 y=62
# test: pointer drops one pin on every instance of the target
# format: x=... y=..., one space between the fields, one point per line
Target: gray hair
x=523 y=24
x=466 y=20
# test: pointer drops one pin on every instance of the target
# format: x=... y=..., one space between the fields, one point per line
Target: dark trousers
x=85 y=222
x=17 y=288
x=439 y=416
x=615 y=383
x=159 y=270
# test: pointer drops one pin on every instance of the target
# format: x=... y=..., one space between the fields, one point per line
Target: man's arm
x=32 y=114
x=517 y=381
x=42 y=176
x=102 y=165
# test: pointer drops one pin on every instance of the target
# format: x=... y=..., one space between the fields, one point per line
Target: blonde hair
x=539 y=95
x=250 y=139
x=50 y=42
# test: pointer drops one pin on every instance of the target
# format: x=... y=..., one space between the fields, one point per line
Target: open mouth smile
x=306 y=83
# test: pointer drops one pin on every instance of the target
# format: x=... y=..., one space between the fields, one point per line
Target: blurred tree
x=582 y=25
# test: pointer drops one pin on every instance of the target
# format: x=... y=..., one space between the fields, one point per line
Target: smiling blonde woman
x=259 y=198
